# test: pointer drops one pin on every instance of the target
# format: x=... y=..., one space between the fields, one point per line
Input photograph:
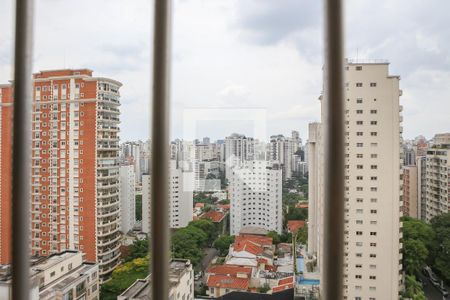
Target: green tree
x=413 y=289
x=418 y=238
x=302 y=235
x=138 y=206
x=415 y=253
x=222 y=243
x=264 y=289
x=192 y=233
x=286 y=237
x=206 y=226
x=124 y=276
x=441 y=249
x=295 y=213
x=275 y=237
x=184 y=246
x=139 y=248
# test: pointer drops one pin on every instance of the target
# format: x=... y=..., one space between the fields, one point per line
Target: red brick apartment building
x=75 y=172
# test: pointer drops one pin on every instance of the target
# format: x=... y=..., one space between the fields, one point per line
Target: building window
x=373 y=84
x=359 y=84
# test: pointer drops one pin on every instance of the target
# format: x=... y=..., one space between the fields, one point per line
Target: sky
x=248 y=66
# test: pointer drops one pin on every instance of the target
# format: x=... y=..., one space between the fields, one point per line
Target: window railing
x=334 y=147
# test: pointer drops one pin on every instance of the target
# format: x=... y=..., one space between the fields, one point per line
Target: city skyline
x=248 y=58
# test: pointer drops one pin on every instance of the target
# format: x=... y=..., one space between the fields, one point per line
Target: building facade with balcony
x=127 y=198
x=437 y=190
x=75 y=171
x=372 y=229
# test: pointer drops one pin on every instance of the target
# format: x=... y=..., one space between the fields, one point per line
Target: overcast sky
x=257 y=61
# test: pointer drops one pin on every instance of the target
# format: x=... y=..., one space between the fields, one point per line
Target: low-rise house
x=294 y=226
x=181 y=281
x=223 y=279
x=217 y=217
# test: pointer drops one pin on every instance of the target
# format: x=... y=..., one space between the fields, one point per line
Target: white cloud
x=245 y=53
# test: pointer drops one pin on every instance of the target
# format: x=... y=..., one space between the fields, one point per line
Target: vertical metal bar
x=160 y=151
x=21 y=166
x=334 y=153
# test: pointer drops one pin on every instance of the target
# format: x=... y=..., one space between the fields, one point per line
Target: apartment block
x=255 y=190
x=6 y=118
x=238 y=149
x=75 y=170
x=372 y=262
x=180 y=196
x=282 y=150
x=411 y=201
x=315 y=191
x=127 y=198
x=437 y=177
x=181 y=283
x=59 y=276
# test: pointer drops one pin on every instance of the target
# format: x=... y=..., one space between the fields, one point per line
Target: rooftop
x=214 y=216
x=223 y=281
x=253 y=230
x=140 y=289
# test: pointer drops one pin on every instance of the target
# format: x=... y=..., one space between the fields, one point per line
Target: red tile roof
x=256 y=239
x=214 y=216
x=270 y=268
x=295 y=225
x=200 y=205
x=262 y=260
x=248 y=246
x=222 y=281
x=282 y=287
x=230 y=270
x=286 y=280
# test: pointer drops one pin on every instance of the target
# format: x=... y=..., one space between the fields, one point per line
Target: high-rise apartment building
x=6 y=115
x=315 y=191
x=421 y=163
x=411 y=200
x=255 y=196
x=281 y=150
x=238 y=149
x=127 y=198
x=437 y=177
x=180 y=198
x=75 y=171
x=372 y=262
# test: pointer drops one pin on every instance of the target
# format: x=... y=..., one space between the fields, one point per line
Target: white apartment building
x=281 y=150
x=255 y=196
x=437 y=177
x=372 y=263
x=238 y=149
x=180 y=195
x=315 y=191
x=127 y=198
x=60 y=276
x=181 y=283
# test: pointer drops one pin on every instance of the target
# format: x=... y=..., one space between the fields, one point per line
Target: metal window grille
x=334 y=139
